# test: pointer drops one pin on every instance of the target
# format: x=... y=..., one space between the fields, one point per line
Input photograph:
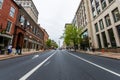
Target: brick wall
x=4 y=14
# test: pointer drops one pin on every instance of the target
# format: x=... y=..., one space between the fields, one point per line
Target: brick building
x=17 y=27
x=28 y=34
x=8 y=16
x=46 y=37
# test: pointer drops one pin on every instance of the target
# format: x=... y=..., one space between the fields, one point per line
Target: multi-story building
x=100 y=21
x=29 y=6
x=8 y=16
x=18 y=28
x=27 y=33
x=105 y=19
x=74 y=21
x=82 y=20
x=46 y=37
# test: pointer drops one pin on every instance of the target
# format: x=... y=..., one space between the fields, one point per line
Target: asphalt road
x=60 y=65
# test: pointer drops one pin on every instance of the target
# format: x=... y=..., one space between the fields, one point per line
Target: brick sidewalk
x=5 y=56
x=105 y=54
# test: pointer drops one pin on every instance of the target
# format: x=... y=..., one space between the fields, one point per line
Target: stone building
x=82 y=20
x=100 y=21
x=105 y=18
x=30 y=8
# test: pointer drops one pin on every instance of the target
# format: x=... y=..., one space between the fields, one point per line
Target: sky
x=54 y=14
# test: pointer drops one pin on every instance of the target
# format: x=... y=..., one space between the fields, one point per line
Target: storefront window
x=104 y=39
x=118 y=30
x=99 y=41
x=112 y=38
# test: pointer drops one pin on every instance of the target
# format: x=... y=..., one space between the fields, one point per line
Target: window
x=103 y=3
x=107 y=20
x=12 y=11
x=96 y=27
x=116 y=15
x=22 y=20
x=112 y=38
x=118 y=30
x=110 y=1
x=97 y=6
x=27 y=3
x=99 y=41
x=104 y=40
x=101 y=24
x=8 y=26
x=98 y=9
x=1 y=2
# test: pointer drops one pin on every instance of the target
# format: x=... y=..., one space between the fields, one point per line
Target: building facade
x=8 y=15
x=100 y=22
x=82 y=20
x=105 y=19
x=27 y=34
x=46 y=37
x=18 y=28
x=29 y=6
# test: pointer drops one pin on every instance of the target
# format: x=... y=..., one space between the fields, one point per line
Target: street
x=60 y=65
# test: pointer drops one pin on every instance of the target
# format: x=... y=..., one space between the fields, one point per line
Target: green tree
x=48 y=43
x=72 y=35
x=54 y=44
x=51 y=44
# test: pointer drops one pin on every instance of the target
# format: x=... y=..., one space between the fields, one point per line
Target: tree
x=48 y=43
x=51 y=44
x=72 y=35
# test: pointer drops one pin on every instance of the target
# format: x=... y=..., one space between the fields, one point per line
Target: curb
x=15 y=56
x=99 y=54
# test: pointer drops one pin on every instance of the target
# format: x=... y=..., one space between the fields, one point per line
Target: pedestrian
x=17 y=49
x=9 y=49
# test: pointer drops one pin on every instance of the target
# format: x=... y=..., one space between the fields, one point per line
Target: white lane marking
x=35 y=56
x=103 y=68
x=34 y=69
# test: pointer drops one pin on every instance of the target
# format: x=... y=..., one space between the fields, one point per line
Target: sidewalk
x=104 y=54
x=5 y=56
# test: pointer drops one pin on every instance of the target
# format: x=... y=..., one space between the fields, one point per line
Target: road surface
x=60 y=65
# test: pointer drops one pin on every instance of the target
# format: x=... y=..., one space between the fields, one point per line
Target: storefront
x=5 y=40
